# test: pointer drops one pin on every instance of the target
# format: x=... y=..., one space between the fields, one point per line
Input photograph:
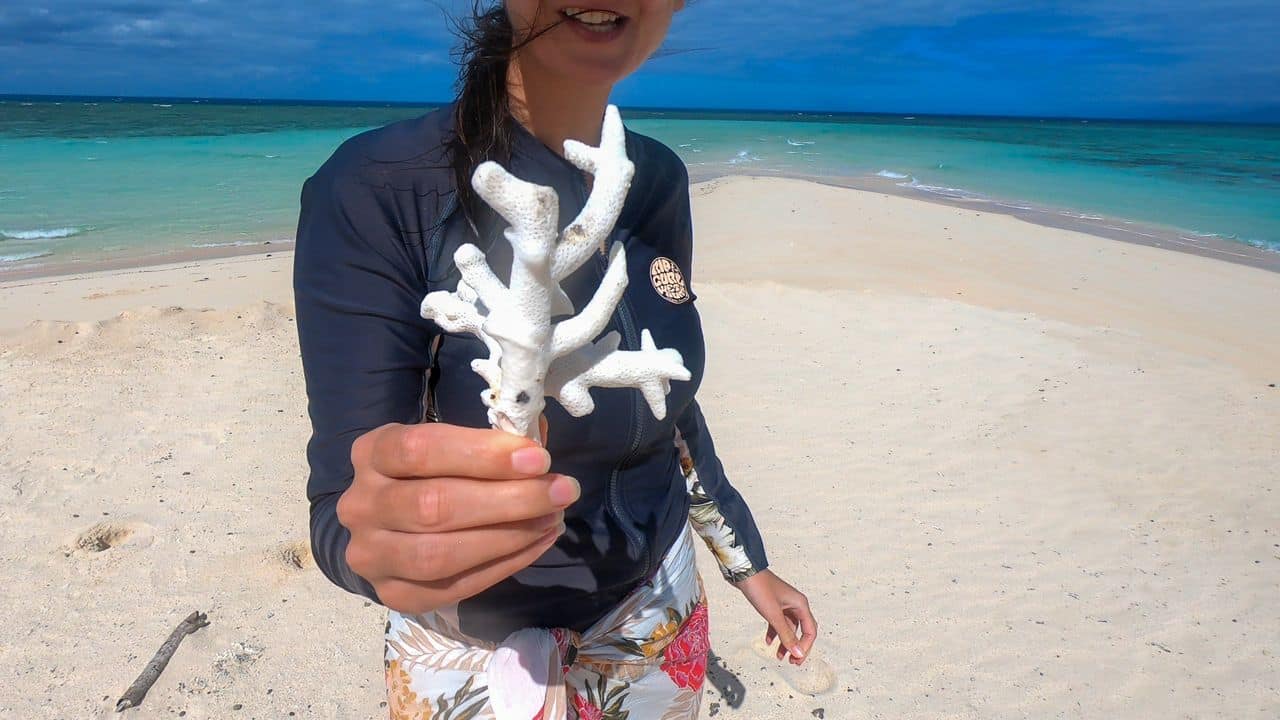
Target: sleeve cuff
x=329 y=540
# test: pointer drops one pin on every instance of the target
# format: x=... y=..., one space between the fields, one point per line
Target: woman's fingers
x=413 y=598
x=785 y=609
x=798 y=616
x=783 y=629
x=424 y=557
x=440 y=449
x=791 y=621
x=803 y=616
x=787 y=635
x=439 y=512
x=444 y=504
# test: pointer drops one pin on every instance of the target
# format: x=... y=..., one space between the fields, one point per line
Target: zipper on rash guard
x=615 y=491
x=427 y=406
x=638 y=418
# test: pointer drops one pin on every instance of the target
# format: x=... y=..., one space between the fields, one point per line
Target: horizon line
x=642 y=108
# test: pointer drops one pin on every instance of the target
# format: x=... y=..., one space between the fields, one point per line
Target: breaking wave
x=18 y=257
x=237 y=243
x=61 y=232
x=955 y=193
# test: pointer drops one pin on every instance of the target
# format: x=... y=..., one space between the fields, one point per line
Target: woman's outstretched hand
x=439 y=512
x=787 y=612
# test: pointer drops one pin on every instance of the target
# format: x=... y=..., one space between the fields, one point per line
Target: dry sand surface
x=1020 y=472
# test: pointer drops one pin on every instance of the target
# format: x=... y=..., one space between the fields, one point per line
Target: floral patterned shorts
x=645 y=660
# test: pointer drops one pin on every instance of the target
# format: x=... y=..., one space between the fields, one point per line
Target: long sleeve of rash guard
x=717 y=511
x=364 y=347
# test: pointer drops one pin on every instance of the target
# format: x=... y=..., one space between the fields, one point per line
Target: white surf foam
x=18 y=257
x=237 y=243
x=40 y=234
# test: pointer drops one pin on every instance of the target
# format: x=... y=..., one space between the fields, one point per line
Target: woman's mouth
x=601 y=22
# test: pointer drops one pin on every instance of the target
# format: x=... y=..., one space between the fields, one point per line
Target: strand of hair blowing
x=482 y=113
x=482 y=110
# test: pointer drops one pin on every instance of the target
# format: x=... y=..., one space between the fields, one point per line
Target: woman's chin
x=596 y=71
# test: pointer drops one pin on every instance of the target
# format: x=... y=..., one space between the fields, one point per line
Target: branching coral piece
x=529 y=357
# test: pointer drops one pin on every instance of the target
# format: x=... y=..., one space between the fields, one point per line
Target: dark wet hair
x=482 y=113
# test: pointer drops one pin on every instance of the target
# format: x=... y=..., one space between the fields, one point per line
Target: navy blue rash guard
x=378 y=227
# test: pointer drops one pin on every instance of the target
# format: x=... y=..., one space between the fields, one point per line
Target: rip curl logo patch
x=668 y=280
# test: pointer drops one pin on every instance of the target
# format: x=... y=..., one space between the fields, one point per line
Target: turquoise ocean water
x=84 y=180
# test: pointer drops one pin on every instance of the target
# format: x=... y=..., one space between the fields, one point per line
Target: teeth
x=592 y=17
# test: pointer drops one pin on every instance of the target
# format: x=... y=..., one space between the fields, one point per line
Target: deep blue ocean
x=91 y=179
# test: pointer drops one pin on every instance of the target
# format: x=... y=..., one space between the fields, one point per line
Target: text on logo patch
x=668 y=280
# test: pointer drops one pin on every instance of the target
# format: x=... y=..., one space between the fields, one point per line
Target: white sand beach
x=1020 y=472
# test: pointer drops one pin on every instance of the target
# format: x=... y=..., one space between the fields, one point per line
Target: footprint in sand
x=814 y=677
x=292 y=556
x=113 y=293
x=107 y=535
x=122 y=291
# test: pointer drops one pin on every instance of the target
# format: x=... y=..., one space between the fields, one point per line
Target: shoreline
x=843 y=237
x=172 y=259
x=1137 y=233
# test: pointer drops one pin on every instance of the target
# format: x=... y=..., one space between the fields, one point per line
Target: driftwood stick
x=138 y=690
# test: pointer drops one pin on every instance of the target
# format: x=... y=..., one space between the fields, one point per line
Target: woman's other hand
x=787 y=612
x=438 y=512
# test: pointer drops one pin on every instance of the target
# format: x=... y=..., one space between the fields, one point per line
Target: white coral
x=529 y=357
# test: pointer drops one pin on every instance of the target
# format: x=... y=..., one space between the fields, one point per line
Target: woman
x=521 y=582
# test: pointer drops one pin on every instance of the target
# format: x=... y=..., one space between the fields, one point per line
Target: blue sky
x=1094 y=58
